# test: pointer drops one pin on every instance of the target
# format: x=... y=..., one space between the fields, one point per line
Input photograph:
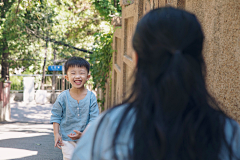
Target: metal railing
x=17 y=82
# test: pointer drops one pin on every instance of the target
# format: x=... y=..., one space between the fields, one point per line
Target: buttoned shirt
x=73 y=115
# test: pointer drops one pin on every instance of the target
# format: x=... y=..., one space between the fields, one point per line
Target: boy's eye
x=72 y=73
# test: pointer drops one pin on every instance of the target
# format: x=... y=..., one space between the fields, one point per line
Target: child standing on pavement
x=74 y=108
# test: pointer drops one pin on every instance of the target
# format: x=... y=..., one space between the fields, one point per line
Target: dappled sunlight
x=8 y=131
x=12 y=135
x=30 y=112
x=27 y=140
x=28 y=135
x=12 y=153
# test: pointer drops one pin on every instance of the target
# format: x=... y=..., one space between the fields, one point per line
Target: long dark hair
x=176 y=118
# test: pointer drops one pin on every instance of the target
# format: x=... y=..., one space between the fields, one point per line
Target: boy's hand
x=75 y=136
x=58 y=141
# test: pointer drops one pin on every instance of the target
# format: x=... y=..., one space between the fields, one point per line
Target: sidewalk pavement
x=28 y=135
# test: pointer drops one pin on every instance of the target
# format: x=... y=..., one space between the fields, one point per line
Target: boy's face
x=77 y=76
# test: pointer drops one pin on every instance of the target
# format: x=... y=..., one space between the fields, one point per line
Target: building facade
x=220 y=20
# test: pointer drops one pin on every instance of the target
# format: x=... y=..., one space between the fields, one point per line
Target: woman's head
x=174 y=118
x=169 y=43
x=165 y=32
x=173 y=114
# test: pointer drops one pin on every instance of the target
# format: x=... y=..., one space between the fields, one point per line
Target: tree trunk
x=3 y=42
x=114 y=3
x=44 y=67
x=5 y=65
x=63 y=79
x=53 y=95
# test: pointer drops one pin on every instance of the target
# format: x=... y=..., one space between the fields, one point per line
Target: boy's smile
x=78 y=82
x=77 y=76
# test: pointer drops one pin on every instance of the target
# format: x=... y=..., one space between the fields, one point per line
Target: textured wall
x=123 y=63
x=117 y=67
x=221 y=24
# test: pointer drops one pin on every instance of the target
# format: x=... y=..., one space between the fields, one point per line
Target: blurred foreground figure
x=169 y=115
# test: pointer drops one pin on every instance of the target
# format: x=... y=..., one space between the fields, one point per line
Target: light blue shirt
x=103 y=142
x=72 y=115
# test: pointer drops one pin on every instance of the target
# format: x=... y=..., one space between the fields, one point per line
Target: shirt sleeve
x=56 y=112
x=236 y=141
x=94 y=111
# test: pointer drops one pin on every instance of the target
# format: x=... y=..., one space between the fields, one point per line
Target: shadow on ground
x=27 y=141
x=30 y=112
x=39 y=144
x=28 y=136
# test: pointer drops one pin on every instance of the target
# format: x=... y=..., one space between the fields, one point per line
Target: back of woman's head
x=169 y=44
x=174 y=119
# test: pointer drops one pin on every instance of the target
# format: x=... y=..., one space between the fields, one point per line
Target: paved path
x=28 y=136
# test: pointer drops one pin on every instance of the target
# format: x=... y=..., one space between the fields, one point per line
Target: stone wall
x=221 y=24
x=220 y=20
x=123 y=58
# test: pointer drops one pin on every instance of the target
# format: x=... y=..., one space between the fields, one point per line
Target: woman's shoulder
x=115 y=113
x=110 y=118
x=104 y=126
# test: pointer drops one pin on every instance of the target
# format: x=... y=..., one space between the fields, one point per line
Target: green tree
x=101 y=59
x=34 y=28
x=4 y=48
x=31 y=30
x=107 y=8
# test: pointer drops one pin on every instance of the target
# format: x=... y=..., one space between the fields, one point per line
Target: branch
x=67 y=45
x=52 y=60
x=57 y=42
x=19 y=1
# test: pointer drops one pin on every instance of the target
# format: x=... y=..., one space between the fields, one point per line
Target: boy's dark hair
x=76 y=61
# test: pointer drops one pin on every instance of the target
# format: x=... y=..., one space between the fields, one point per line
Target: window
x=181 y=4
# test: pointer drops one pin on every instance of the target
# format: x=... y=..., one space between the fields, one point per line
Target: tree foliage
x=4 y=48
x=34 y=28
x=107 y=8
x=31 y=30
x=102 y=52
x=101 y=61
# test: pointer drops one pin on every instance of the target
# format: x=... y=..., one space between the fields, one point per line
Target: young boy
x=75 y=108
